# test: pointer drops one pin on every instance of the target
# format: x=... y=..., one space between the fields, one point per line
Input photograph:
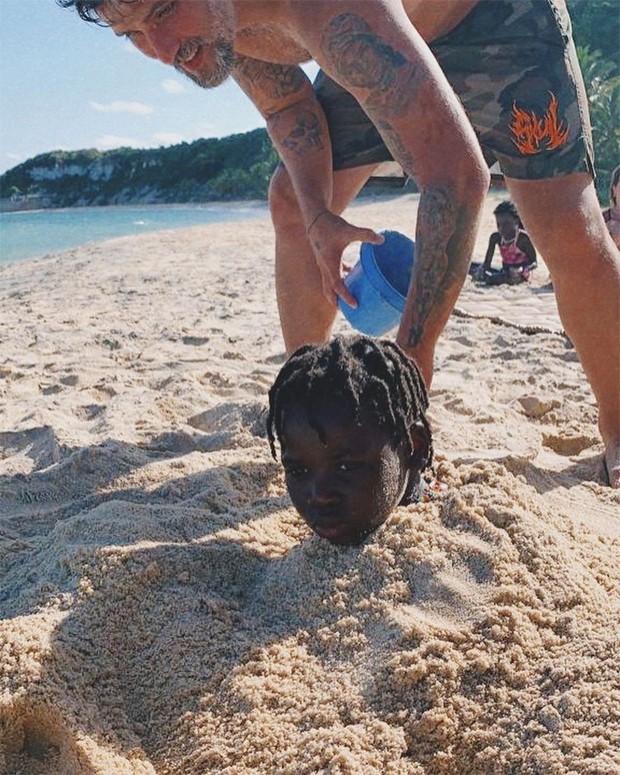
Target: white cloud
x=172 y=86
x=120 y=106
x=16 y=157
x=167 y=138
x=106 y=142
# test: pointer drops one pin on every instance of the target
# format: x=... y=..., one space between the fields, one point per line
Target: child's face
x=506 y=225
x=346 y=488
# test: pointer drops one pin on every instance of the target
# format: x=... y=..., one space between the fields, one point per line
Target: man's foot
x=612 y=464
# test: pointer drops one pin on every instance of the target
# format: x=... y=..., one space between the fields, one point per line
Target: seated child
x=516 y=249
x=349 y=418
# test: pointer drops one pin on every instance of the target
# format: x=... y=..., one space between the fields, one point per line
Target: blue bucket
x=379 y=281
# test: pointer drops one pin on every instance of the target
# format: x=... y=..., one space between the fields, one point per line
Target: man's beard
x=224 y=62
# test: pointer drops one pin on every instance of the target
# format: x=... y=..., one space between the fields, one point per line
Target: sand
x=164 y=610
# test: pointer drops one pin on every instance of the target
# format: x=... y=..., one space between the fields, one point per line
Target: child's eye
x=295 y=471
x=348 y=466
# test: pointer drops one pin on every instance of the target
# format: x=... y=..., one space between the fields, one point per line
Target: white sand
x=165 y=610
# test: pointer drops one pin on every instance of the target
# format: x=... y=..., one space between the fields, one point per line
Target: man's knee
x=283 y=203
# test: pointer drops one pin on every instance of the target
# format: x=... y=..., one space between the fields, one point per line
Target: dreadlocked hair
x=370 y=374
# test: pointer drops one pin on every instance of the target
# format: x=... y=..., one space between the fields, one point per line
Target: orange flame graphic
x=532 y=134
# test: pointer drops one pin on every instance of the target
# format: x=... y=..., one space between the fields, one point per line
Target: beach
x=166 y=612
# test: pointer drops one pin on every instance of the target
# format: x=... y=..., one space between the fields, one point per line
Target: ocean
x=25 y=235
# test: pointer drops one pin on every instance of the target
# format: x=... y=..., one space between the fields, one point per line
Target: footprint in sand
x=569 y=445
x=195 y=341
x=39 y=445
x=89 y=411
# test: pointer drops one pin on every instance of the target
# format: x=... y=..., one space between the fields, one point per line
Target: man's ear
x=421 y=448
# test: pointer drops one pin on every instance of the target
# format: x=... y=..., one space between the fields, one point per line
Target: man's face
x=347 y=487
x=195 y=36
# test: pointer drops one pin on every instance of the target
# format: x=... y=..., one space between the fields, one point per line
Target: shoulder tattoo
x=365 y=61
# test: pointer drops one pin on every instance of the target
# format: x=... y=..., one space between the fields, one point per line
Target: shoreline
x=27 y=235
x=19 y=247
x=233 y=203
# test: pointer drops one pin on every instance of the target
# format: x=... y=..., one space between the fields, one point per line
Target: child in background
x=518 y=253
x=612 y=213
x=354 y=440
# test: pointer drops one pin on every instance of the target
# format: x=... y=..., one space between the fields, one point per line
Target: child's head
x=507 y=219
x=349 y=418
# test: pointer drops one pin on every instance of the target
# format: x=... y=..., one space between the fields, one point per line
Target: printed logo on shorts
x=533 y=134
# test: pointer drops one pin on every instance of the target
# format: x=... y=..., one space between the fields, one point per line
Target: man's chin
x=205 y=81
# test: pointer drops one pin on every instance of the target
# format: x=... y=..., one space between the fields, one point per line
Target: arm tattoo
x=397 y=148
x=274 y=80
x=435 y=257
x=365 y=61
x=305 y=137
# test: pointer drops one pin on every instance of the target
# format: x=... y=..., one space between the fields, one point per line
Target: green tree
x=603 y=87
x=596 y=25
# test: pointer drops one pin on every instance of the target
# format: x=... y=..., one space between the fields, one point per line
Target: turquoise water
x=30 y=234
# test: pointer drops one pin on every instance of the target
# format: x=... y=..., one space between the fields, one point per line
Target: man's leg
x=563 y=218
x=306 y=315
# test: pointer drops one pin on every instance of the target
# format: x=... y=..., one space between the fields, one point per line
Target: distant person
x=515 y=247
x=444 y=88
x=350 y=420
x=612 y=214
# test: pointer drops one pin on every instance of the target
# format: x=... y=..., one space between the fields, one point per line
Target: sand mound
x=164 y=609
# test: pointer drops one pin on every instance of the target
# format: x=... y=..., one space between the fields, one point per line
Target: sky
x=68 y=85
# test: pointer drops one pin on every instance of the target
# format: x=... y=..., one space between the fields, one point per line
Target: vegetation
x=604 y=98
x=235 y=167
x=596 y=29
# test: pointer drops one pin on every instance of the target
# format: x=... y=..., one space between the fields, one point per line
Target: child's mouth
x=336 y=531
x=329 y=530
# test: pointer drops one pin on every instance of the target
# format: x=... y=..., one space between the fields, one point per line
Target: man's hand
x=329 y=235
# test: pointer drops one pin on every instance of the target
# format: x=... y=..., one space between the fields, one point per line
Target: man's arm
x=283 y=94
x=296 y=124
x=373 y=51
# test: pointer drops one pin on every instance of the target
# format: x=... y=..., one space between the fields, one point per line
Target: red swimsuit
x=513 y=256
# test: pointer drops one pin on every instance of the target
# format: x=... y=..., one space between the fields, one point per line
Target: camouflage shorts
x=513 y=65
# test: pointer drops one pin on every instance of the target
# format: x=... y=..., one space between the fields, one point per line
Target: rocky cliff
x=235 y=167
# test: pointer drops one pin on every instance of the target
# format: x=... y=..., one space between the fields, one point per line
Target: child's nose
x=322 y=491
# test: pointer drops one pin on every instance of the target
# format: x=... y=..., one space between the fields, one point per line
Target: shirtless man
x=511 y=62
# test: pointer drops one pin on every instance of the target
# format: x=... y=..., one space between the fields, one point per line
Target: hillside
x=235 y=167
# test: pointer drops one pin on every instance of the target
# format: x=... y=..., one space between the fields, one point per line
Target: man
x=513 y=65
